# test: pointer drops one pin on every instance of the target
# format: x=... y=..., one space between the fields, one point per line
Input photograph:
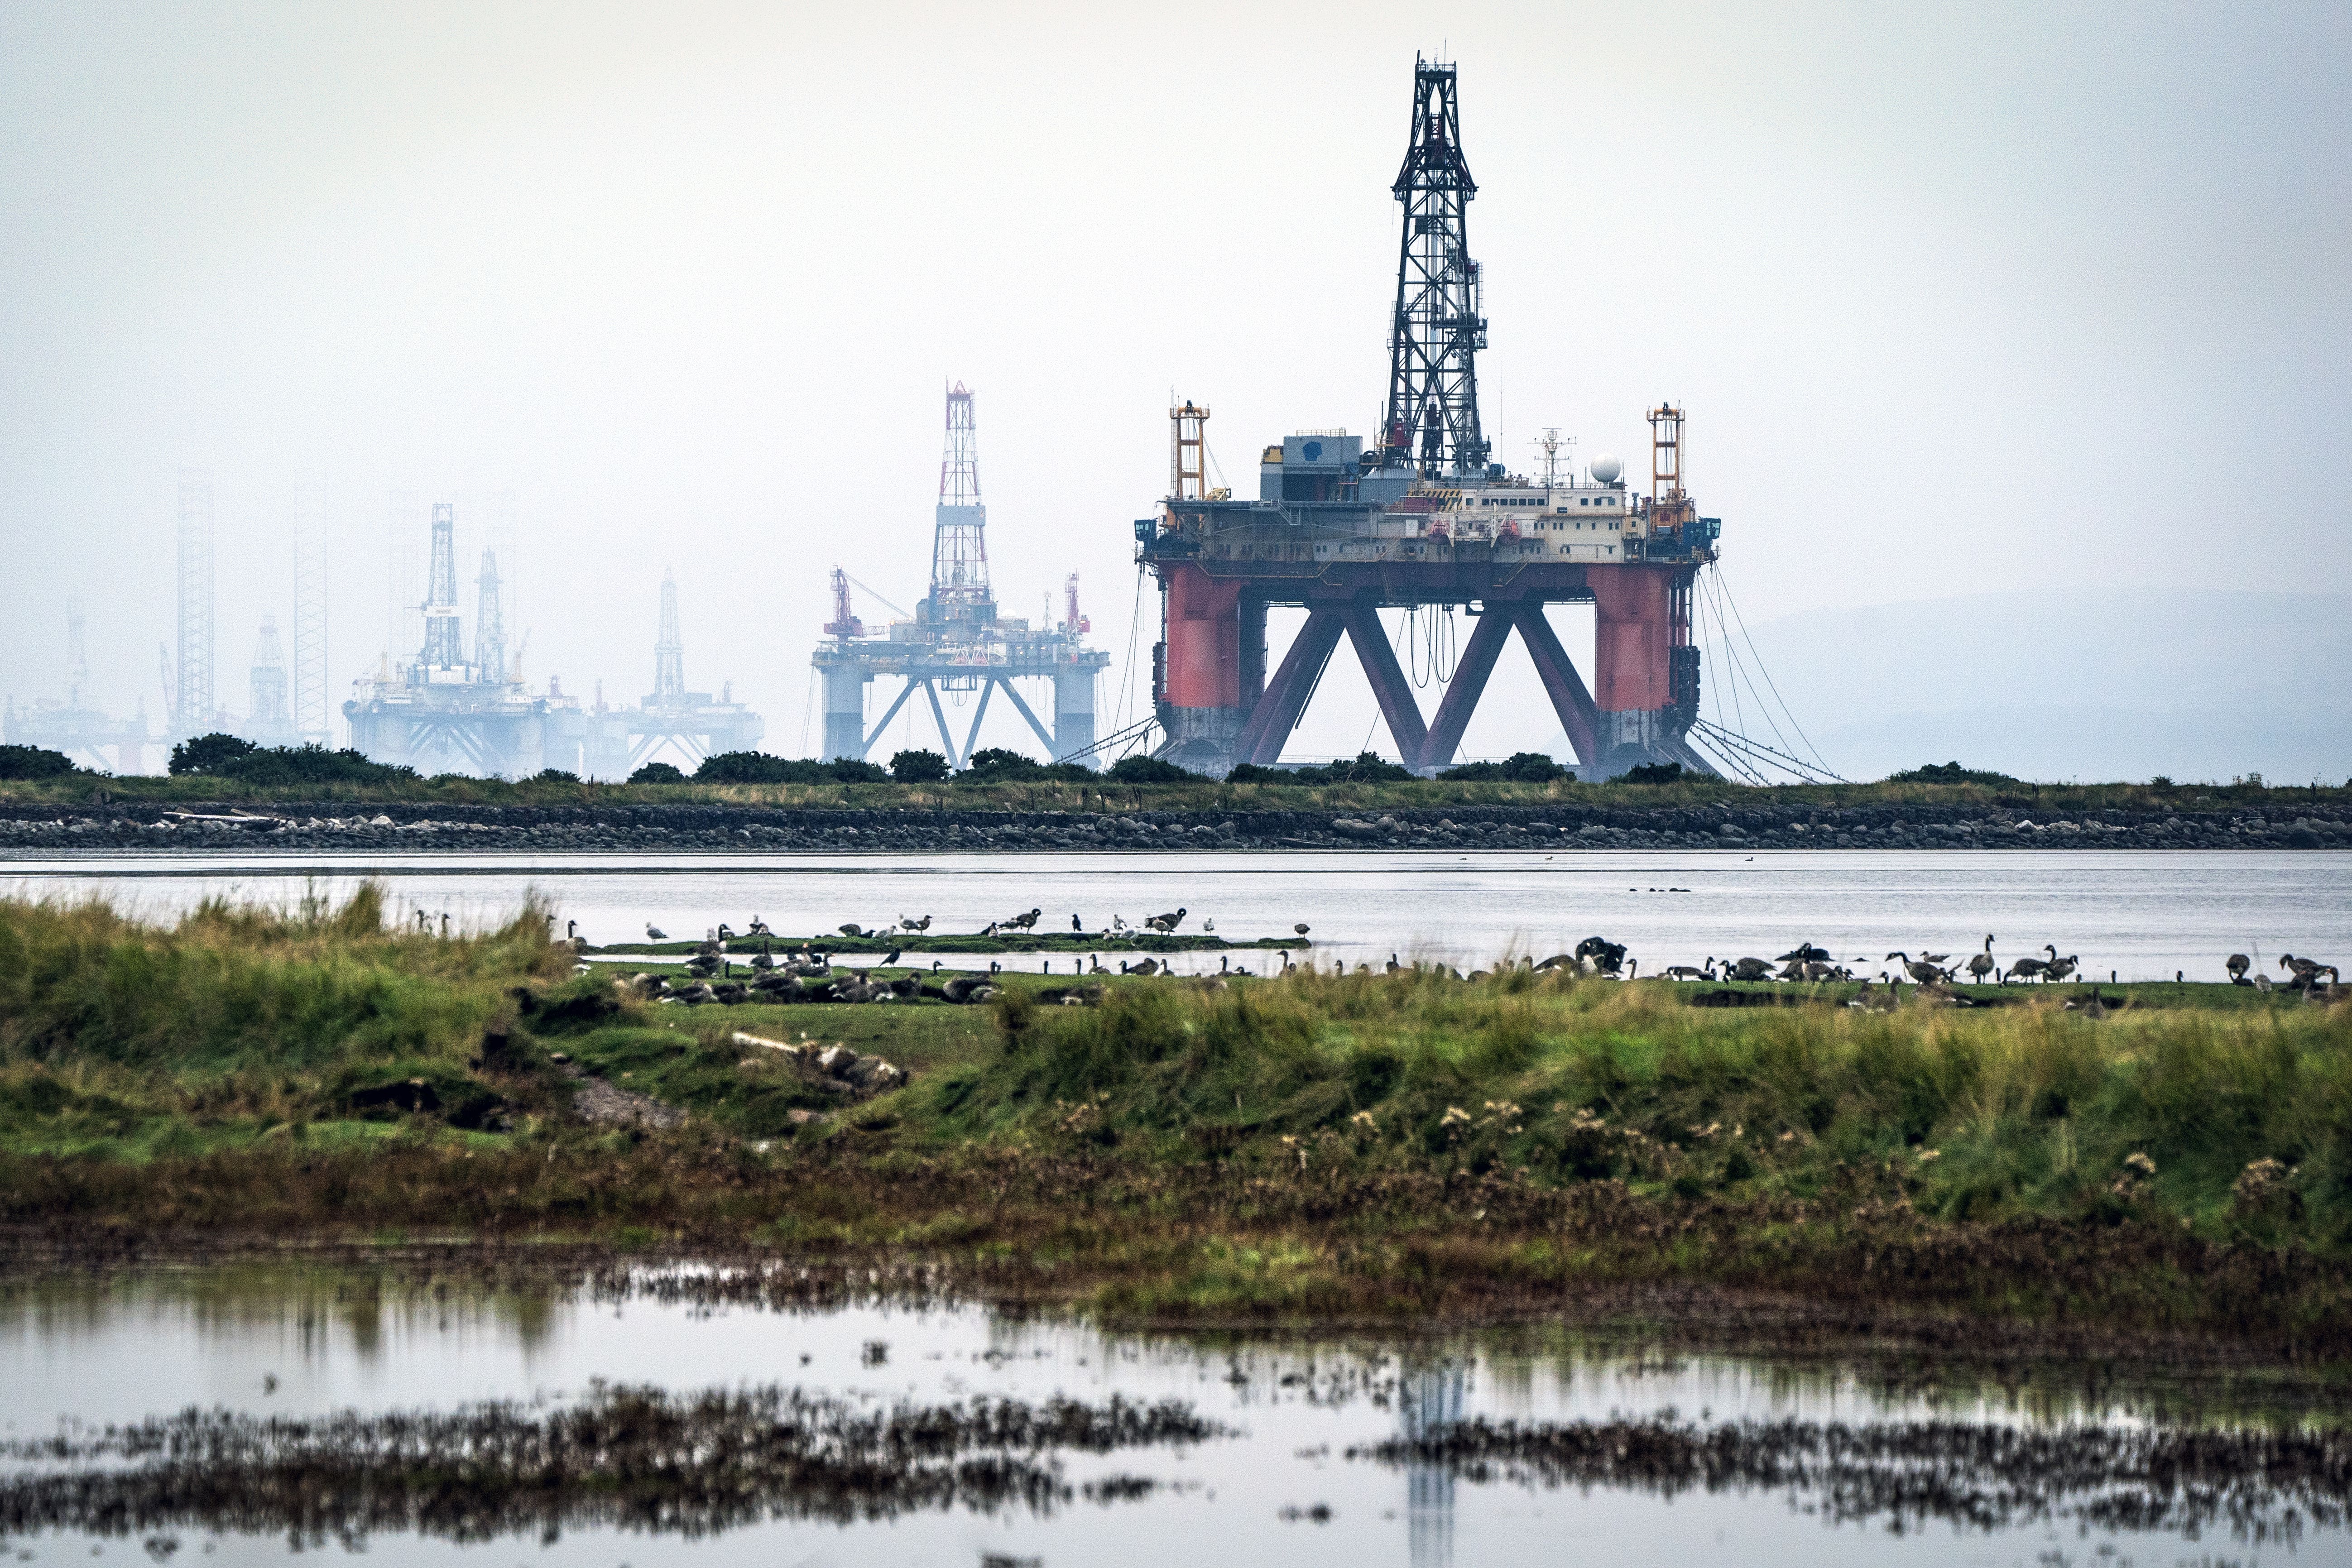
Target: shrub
x=1150 y=770
x=658 y=773
x=1952 y=773
x=743 y=767
x=556 y=775
x=33 y=762
x=1367 y=768
x=1519 y=767
x=211 y=753
x=918 y=767
x=1653 y=774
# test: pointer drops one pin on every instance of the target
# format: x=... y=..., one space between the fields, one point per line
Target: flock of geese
x=810 y=975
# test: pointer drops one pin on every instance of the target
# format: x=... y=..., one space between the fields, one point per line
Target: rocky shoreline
x=334 y=825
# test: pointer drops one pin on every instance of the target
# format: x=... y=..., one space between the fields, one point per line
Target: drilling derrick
x=490 y=623
x=1433 y=340
x=669 y=652
x=959 y=592
x=269 y=717
x=956 y=645
x=1422 y=518
x=191 y=688
x=672 y=724
x=76 y=726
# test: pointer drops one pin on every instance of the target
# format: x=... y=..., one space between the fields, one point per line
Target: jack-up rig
x=1423 y=518
x=955 y=642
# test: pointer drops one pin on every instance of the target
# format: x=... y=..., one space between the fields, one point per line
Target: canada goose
x=710 y=947
x=445 y=925
x=1940 y=960
x=1148 y=966
x=763 y=960
x=1166 y=922
x=1749 y=969
x=726 y=931
x=2058 y=968
x=2096 y=1007
x=2237 y=963
x=655 y=932
x=1982 y=963
x=1606 y=955
x=572 y=931
x=2304 y=968
x=2024 y=969
x=1393 y=966
x=732 y=994
x=1805 y=953
x=1299 y=929
x=1224 y=965
x=1022 y=922
x=1094 y=964
x=1919 y=971
x=1684 y=972
x=696 y=994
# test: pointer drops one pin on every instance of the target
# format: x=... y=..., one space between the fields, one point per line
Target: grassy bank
x=1314 y=1145
x=980 y=794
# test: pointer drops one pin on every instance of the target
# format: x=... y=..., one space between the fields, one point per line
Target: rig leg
x=1388 y=683
x=1486 y=646
x=1277 y=713
x=1570 y=699
x=940 y=717
x=844 y=713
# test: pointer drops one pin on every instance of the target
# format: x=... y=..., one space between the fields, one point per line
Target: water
x=1282 y=1488
x=2143 y=915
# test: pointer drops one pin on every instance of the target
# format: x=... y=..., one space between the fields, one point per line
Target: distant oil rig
x=1423 y=519
x=955 y=642
x=443 y=712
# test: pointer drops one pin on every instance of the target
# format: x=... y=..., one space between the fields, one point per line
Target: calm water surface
x=2142 y=915
x=281 y=1341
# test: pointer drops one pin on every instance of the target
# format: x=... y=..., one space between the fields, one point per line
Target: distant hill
x=2077 y=684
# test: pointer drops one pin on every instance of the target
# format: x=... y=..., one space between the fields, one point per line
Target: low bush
x=34 y=762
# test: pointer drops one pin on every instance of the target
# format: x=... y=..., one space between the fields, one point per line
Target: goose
x=1605 y=954
x=1094 y=965
x=655 y=932
x=571 y=930
x=1148 y=966
x=2237 y=963
x=731 y=994
x=1022 y=922
x=1166 y=922
x=2262 y=982
x=726 y=931
x=1918 y=969
x=1684 y=972
x=1805 y=953
x=2024 y=969
x=1393 y=966
x=763 y=960
x=1982 y=963
x=1940 y=960
x=696 y=994
x=2304 y=968
x=2058 y=968
x=2096 y=1007
x=758 y=927
x=1748 y=968
x=445 y=925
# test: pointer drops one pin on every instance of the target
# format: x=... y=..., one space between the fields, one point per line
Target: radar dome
x=1606 y=469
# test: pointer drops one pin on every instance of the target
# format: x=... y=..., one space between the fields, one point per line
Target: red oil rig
x=1423 y=518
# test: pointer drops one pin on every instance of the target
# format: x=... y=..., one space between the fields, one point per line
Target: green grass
x=1311 y=1144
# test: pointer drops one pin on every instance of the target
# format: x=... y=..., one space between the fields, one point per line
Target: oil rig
x=956 y=643
x=443 y=713
x=75 y=727
x=672 y=724
x=1421 y=518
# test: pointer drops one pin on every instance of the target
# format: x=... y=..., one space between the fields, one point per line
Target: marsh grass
x=1312 y=1146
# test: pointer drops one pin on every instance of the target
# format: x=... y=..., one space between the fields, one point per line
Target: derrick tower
x=669 y=652
x=270 y=719
x=190 y=682
x=445 y=642
x=1434 y=337
x=959 y=532
x=490 y=621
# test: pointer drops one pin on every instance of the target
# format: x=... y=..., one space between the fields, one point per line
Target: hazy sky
x=1959 y=299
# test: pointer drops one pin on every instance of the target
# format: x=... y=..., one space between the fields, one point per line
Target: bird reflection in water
x=1429 y=1401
